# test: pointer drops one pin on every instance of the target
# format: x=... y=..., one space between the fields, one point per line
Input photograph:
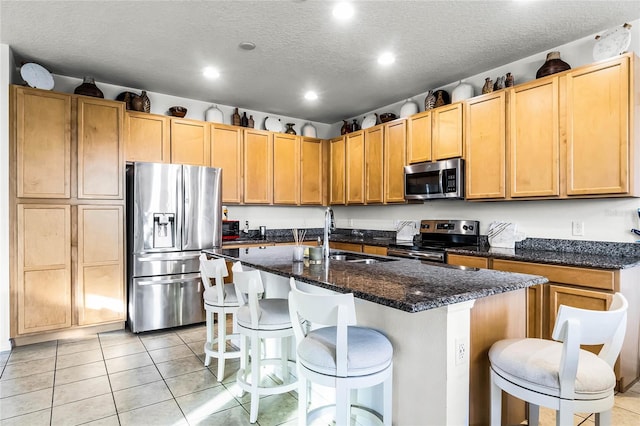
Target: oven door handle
x=437 y=257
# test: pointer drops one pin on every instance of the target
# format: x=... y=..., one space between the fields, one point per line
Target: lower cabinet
x=345 y=246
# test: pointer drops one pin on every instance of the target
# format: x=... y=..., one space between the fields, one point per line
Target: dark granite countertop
x=404 y=284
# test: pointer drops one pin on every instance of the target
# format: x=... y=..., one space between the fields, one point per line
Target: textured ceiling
x=162 y=46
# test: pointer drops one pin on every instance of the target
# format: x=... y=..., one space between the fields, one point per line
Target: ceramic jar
x=309 y=131
x=461 y=92
x=552 y=65
x=213 y=115
x=89 y=88
x=290 y=130
x=408 y=108
x=429 y=101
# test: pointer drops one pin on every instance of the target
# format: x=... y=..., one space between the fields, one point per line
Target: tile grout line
x=104 y=361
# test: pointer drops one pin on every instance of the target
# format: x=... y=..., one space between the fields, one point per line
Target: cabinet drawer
x=472 y=261
x=345 y=246
x=593 y=278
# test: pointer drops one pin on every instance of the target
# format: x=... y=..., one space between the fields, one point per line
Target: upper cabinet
x=286 y=169
x=600 y=128
x=147 y=137
x=43 y=143
x=419 y=137
x=354 y=168
x=226 y=153
x=447 y=139
x=100 y=149
x=190 y=142
x=258 y=167
x=534 y=142
x=374 y=164
x=394 y=161
x=486 y=146
x=311 y=171
x=337 y=155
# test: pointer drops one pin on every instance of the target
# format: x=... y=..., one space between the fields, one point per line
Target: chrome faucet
x=329 y=225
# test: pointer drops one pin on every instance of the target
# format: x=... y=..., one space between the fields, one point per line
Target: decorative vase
x=461 y=92
x=235 y=118
x=488 y=86
x=552 y=65
x=408 y=108
x=89 y=88
x=442 y=98
x=214 y=115
x=137 y=103
x=290 y=129
x=355 y=126
x=346 y=127
x=309 y=131
x=146 y=102
x=509 y=81
x=244 y=121
x=251 y=123
x=499 y=84
x=429 y=101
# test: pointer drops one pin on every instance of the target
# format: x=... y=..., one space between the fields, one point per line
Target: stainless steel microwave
x=437 y=179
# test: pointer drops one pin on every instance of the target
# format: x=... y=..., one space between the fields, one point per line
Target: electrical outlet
x=462 y=352
x=577 y=228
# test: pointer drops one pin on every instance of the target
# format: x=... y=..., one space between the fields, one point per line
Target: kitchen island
x=425 y=310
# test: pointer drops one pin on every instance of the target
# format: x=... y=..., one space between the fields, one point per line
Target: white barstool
x=260 y=319
x=219 y=300
x=560 y=375
x=338 y=354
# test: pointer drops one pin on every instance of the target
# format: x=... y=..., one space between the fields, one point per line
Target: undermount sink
x=357 y=258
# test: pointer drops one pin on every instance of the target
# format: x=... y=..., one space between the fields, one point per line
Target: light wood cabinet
x=43 y=143
x=354 y=168
x=286 y=169
x=534 y=140
x=419 y=137
x=599 y=137
x=345 y=246
x=485 y=156
x=337 y=158
x=380 y=251
x=311 y=171
x=394 y=161
x=447 y=132
x=470 y=261
x=258 y=167
x=147 y=137
x=374 y=164
x=100 y=149
x=100 y=284
x=43 y=254
x=190 y=142
x=226 y=153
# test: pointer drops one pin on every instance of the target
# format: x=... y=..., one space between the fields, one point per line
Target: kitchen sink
x=357 y=258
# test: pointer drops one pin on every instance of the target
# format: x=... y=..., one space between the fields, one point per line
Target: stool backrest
x=214 y=269
x=575 y=327
x=249 y=289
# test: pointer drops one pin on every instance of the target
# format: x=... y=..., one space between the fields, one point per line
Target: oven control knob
x=465 y=227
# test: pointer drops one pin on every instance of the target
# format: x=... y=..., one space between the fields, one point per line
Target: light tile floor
x=120 y=378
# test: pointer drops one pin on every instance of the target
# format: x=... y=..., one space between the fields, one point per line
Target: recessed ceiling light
x=311 y=95
x=386 y=58
x=210 y=72
x=343 y=11
x=247 y=45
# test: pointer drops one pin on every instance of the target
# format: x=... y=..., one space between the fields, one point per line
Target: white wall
x=6 y=69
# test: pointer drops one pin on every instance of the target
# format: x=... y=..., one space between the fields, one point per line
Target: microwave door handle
x=442 y=176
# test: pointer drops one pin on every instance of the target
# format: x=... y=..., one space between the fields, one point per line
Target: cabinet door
x=419 y=138
x=355 y=168
x=485 y=155
x=374 y=164
x=337 y=157
x=100 y=149
x=311 y=171
x=394 y=161
x=286 y=169
x=534 y=139
x=598 y=135
x=190 y=143
x=43 y=257
x=43 y=143
x=345 y=246
x=226 y=153
x=258 y=167
x=381 y=251
x=147 y=137
x=447 y=132
x=470 y=261
x=100 y=282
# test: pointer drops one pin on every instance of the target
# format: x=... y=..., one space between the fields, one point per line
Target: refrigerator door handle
x=162 y=256
x=170 y=281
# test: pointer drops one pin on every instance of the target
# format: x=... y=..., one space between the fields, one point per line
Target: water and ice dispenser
x=164 y=230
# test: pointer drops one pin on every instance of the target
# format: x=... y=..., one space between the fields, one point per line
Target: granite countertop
x=405 y=284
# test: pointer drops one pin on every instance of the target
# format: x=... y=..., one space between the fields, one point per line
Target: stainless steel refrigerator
x=173 y=212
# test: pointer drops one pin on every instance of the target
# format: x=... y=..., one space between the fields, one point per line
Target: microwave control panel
x=450 y=184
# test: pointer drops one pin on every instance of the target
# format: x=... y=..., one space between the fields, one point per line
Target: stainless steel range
x=435 y=237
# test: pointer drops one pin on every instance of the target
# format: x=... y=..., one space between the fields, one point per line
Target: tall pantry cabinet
x=66 y=212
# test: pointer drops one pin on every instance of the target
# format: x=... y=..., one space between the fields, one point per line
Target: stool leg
x=210 y=337
x=603 y=418
x=343 y=404
x=303 y=390
x=388 y=400
x=255 y=377
x=222 y=342
x=284 y=358
x=534 y=415
x=496 y=403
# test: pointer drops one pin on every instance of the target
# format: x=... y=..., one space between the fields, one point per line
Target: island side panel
x=493 y=318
